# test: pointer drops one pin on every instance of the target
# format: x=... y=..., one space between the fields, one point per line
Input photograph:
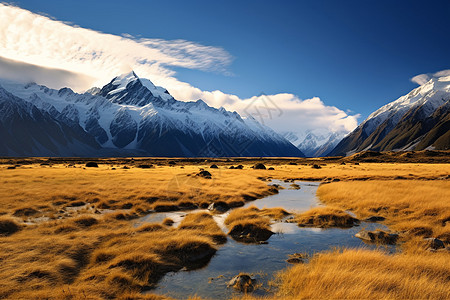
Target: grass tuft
x=8 y=226
x=325 y=217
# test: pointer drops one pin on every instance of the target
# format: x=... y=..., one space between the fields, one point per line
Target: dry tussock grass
x=80 y=254
x=253 y=213
x=101 y=260
x=41 y=191
x=364 y=171
x=325 y=217
x=364 y=274
x=413 y=207
x=252 y=224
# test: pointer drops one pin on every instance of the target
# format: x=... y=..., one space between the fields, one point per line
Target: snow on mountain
x=315 y=143
x=132 y=115
x=429 y=96
x=319 y=142
x=405 y=122
x=26 y=130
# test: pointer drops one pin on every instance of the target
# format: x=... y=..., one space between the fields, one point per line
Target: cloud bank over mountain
x=51 y=52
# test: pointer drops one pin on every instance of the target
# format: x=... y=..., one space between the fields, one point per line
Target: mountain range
x=315 y=143
x=130 y=116
x=126 y=117
x=416 y=121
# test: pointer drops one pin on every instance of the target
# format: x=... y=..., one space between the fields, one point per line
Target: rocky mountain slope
x=417 y=121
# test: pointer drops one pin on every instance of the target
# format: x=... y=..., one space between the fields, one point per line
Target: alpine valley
x=128 y=116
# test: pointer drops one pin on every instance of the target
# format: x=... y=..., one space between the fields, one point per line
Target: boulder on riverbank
x=297 y=258
x=378 y=236
x=250 y=233
x=243 y=283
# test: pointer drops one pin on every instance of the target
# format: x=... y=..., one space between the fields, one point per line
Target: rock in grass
x=145 y=166
x=259 y=166
x=242 y=282
x=315 y=166
x=219 y=206
x=434 y=244
x=240 y=167
x=378 y=236
x=214 y=167
x=204 y=174
x=91 y=164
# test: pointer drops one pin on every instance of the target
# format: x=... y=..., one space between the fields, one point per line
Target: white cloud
x=39 y=40
x=442 y=73
x=288 y=113
x=81 y=58
x=424 y=78
x=420 y=79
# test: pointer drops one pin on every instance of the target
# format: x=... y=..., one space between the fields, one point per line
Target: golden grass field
x=68 y=232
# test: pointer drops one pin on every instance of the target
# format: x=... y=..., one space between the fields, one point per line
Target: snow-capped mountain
x=416 y=121
x=315 y=143
x=128 y=116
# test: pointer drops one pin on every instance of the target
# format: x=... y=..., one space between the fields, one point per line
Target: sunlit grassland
x=417 y=209
x=413 y=207
x=365 y=274
x=48 y=187
x=97 y=251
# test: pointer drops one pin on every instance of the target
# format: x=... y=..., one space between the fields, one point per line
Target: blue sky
x=355 y=55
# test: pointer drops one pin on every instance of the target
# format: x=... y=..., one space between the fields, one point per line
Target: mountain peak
x=130 y=89
x=123 y=80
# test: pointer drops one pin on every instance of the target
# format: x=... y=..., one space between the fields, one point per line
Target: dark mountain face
x=26 y=131
x=128 y=116
x=416 y=121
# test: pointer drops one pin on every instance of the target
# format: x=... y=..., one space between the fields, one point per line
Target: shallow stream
x=260 y=260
